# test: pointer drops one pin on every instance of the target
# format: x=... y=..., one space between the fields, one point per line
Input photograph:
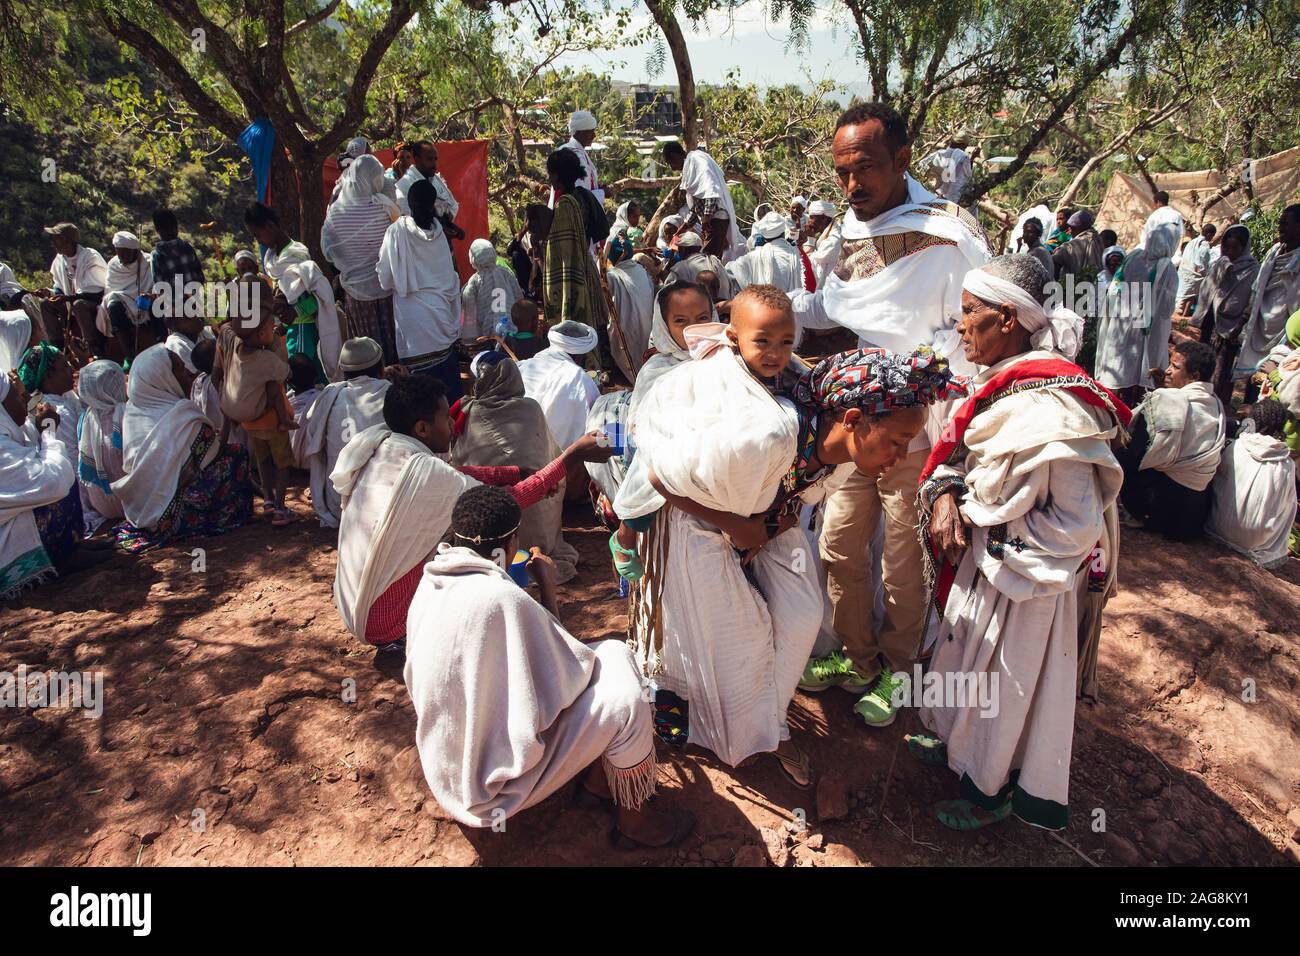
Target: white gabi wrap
x=397 y=500
x=158 y=428
x=1058 y=329
x=711 y=432
x=1187 y=431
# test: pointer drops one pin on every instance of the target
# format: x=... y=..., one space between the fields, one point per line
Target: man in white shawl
x=1133 y=330
x=341 y=411
x=424 y=166
x=1177 y=439
x=397 y=491
x=489 y=294
x=824 y=239
x=708 y=201
x=696 y=265
x=633 y=293
x=1015 y=498
x=582 y=133
x=415 y=264
x=102 y=387
x=1193 y=266
x=897 y=284
x=1254 y=489
x=775 y=262
x=1163 y=215
x=1275 y=297
x=124 y=308
x=79 y=275
x=509 y=707
x=556 y=381
x=36 y=473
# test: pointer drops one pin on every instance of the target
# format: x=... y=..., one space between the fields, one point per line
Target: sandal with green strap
x=967 y=817
x=626 y=562
x=927 y=749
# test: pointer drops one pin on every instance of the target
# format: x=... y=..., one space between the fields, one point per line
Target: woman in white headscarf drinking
x=489 y=293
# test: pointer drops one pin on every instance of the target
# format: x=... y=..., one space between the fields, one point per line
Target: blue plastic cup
x=614 y=433
x=142 y=302
x=519 y=568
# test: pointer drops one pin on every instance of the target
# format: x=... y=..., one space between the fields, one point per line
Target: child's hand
x=289 y=425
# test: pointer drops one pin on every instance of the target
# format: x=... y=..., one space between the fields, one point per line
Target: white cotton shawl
x=713 y=433
x=1187 y=432
x=776 y=262
x=276 y=263
x=158 y=427
x=15 y=337
x=416 y=266
x=489 y=671
x=397 y=500
x=355 y=224
x=634 y=294
x=303 y=278
x=1266 y=325
x=488 y=294
x=84 y=272
x=1254 y=498
x=124 y=284
x=341 y=411
x=102 y=388
x=563 y=389
x=35 y=470
x=702 y=178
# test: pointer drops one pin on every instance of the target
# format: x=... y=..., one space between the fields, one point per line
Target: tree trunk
x=662 y=11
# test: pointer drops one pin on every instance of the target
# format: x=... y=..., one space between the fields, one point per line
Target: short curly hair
x=1198 y=359
x=484 y=518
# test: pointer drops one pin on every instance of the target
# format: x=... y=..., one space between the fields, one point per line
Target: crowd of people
x=845 y=444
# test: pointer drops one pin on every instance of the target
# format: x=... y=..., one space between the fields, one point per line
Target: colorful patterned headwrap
x=878 y=381
x=35 y=363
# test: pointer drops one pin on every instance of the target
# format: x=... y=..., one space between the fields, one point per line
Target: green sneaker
x=823 y=672
x=876 y=707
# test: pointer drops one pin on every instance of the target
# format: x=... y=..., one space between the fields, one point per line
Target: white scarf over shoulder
x=15 y=334
x=702 y=178
x=397 y=500
x=36 y=469
x=158 y=427
x=341 y=411
x=564 y=390
x=303 y=278
x=1187 y=433
x=1254 y=498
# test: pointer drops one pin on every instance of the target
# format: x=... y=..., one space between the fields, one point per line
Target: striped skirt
x=373 y=318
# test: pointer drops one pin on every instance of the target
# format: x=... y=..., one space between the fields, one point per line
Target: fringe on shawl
x=645 y=607
x=1091 y=608
x=925 y=499
x=48 y=573
x=632 y=786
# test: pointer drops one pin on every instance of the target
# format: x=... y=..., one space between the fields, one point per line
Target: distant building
x=654 y=109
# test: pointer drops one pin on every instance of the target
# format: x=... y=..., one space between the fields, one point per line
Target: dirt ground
x=226 y=738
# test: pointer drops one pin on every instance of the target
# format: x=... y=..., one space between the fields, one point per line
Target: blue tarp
x=258 y=140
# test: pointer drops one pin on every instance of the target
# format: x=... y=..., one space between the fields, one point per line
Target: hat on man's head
x=125 y=240
x=64 y=229
x=360 y=354
x=822 y=207
x=771 y=226
x=582 y=120
x=1080 y=220
x=573 y=337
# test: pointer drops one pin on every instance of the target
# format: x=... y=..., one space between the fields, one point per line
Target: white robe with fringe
x=1255 y=498
x=1187 y=432
x=341 y=411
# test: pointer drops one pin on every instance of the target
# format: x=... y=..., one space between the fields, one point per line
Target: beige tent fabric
x=1128 y=200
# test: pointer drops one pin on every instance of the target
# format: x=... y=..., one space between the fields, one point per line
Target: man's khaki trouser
x=848 y=524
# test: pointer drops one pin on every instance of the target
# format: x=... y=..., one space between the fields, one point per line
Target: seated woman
x=509 y=707
x=180 y=480
x=47 y=374
x=1254 y=489
x=102 y=385
x=730 y=606
x=503 y=427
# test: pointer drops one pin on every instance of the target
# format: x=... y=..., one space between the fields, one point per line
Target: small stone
x=1121 y=851
x=148 y=838
x=774 y=841
x=354 y=776
x=837 y=854
x=815 y=842
x=832 y=798
x=130 y=793
x=1149 y=785
x=333 y=776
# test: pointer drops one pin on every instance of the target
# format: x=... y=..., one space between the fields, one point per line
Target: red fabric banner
x=463 y=164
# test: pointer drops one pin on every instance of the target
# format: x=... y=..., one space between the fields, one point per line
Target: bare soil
x=226 y=738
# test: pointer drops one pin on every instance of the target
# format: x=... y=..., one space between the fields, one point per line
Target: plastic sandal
x=626 y=563
x=965 y=816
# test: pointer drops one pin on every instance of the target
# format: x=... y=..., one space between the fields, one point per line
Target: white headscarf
x=158 y=428
x=125 y=240
x=621 y=223
x=582 y=341
x=15 y=336
x=482 y=254
x=363 y=184
x=581 y=120
x=665 y=223
x=822 y=207
x=102 y=388
x=771 y=226
x=1058 y=329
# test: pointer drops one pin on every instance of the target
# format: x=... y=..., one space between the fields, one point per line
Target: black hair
x=421 y=198
x=1270 y=417
x=258 y=215
x=412 y=399
x=1210 y=227
x=536 y=212
x=417 y=147
x=565 y=166
x=203 y=355
x=1292 y=211
x=894 y=125
x=1241 y=232
x=1198 y=359
x=1162 y=197
x=673 y=148
x=1108 y=238
x=673 y=288
x=484 y=518
x=302 y=373
x=165 y=224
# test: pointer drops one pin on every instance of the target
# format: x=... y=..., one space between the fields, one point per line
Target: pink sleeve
x=492 y=474
x=538 y=485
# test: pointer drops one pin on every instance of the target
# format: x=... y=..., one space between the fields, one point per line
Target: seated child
x=764 y=335
x=252 y=395
x=524 y=341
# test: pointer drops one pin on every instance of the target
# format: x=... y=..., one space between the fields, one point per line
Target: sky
x=746 y=39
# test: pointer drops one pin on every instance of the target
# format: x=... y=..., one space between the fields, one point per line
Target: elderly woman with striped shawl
x=1015 y=497
x=570 y=279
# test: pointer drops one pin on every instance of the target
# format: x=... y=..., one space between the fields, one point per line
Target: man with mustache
x=897 y=284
